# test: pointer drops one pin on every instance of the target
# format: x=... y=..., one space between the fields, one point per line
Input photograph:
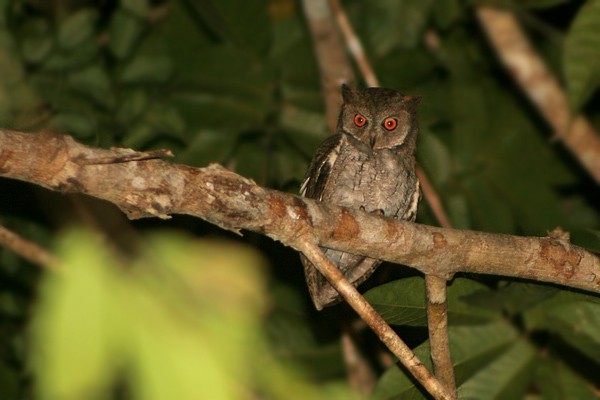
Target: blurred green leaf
x=94 y=83
x=513 y=297
x=36 y=40
x=125 y=32
x=138 y=7
x=505 y=378
x=168 y=325
x=208 y=146
x=394 y=23
x=587 y=238
x=558 y=381
x=139 y=135
x=61 y=61
x=582 y=54
x=576 y=322
x=244 y=23
x=402 y=302
x=79 y=125
x=74 y=329
x=77 y=28
x=539 y=3
x=147 y=69
x=446 y=12
x=131 y=105
x=434 y=157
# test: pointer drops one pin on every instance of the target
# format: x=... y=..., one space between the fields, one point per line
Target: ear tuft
x=347 y=93
x=412 y=102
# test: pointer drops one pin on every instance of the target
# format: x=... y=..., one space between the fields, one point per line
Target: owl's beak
x=372 y=141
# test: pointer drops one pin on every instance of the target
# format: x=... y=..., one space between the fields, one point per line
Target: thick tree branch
x=155 y=188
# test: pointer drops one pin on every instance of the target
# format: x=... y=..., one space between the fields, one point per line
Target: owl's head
x=380 y=118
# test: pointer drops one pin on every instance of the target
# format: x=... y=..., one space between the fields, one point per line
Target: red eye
x=390 y=123
x=360 y=120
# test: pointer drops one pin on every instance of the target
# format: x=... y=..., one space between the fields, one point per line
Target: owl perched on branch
x=369 y=165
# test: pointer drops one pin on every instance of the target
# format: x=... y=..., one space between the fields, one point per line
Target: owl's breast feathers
x=348 y=173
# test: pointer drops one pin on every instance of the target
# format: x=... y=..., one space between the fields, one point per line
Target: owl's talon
x=362 y=208
x=379 y=212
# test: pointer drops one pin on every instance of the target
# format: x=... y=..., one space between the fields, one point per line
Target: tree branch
x=385 y=333
x=437 y=324
x=155 y=188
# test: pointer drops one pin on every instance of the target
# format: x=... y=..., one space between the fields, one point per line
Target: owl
x=367 y=165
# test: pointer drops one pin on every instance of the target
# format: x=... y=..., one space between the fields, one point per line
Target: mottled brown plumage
x=368 y=164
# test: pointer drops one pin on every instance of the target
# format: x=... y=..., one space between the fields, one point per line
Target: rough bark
x=156 y=188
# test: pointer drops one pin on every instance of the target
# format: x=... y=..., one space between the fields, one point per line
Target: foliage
x=236 y=82
x=182 y=320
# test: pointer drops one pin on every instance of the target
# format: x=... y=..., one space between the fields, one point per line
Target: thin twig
x=433 y=199
x=27 y=249
x=539 y=84
x=361 y=377
x=354 y=44
x=385 y=333
x=122 y=155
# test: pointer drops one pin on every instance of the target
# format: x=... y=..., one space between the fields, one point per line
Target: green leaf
x=244 y=23
x=166 y=325
x=458 y=210
x=582 y=54
x=76 y=124
x=513 y=297
x=94 y=83
x=588 y=238
x=36 y=40
x=577 y=322
x=138 y=7
x=131 y=105
x=64 y=60
x=557 y=381
x=505 y=378
x=392 y=23
x=139 y=135
x=472 y=348
x=539 y=3
x=402 y=302
x=147 y=69
x=435 y=158
x=125 y=32
x=207 y=145
x=166 y=119
x=77 y=28
x=72 y=329
x=446 y=12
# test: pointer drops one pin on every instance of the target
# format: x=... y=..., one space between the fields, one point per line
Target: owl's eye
x=359 y=120
x=390 y=123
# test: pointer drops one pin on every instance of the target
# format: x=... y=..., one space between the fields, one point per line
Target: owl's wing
x=320 y=167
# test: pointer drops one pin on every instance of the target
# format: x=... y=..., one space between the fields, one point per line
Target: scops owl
x=369 y=165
